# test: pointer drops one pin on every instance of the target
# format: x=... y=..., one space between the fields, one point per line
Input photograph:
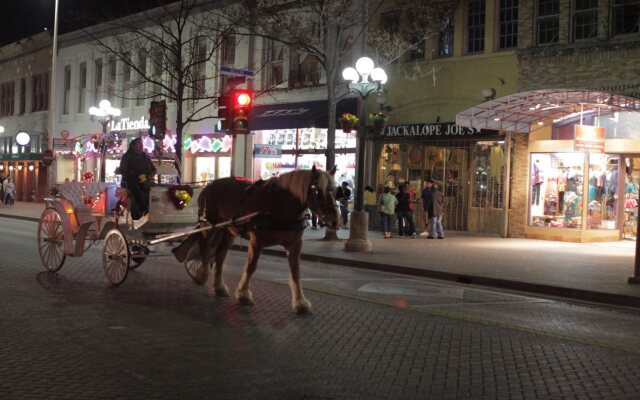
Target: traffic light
x=225 y=111
x=242 y=100
x=158 y=119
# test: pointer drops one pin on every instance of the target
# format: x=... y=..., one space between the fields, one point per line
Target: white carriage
x=84 y=213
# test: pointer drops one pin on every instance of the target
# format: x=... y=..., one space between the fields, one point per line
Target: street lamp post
x=103 y=113
x=364 y=79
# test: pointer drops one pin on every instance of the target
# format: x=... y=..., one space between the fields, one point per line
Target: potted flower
x=347 y=122
x=379 y=121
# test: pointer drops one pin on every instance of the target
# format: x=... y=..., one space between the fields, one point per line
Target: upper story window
x=67 y=90
x=141 y=81
x=112 y=74
x=508 y=24
x=626 y=17
x=23 y=95
x=547 y=21
x=417 y=51
x=126 y=79
x=390 y=23
x=199 y=67
x=40 y=91
x=7 y=95
x=156 y=72
x=304 y=71
x=275 y=63
x=475 y=26
x=585 y=19
x=97 y=81
x=82 y=86
x=445 y=39
x=229 y=50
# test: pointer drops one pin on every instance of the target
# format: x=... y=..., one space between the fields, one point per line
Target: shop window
x=626 y=17
x=475 y=26
x=547 y=21
x=632 y=181
x=603 y=192
x=508 y=24
x=585 y=19
x=556 y=189
x=488 y=179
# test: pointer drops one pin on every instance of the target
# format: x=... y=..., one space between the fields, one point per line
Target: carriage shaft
x=242 y=220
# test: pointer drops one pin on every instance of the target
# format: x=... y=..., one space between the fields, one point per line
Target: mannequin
x=537 y=177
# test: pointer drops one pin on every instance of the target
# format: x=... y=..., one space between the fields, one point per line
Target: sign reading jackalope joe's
x=434 y=131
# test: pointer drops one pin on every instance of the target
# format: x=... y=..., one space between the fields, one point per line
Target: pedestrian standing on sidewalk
x=9 y=192
x=370 y=205
x=388 y=204
x=426 y=193
x=404 y=213
x=435 y=209
x=343 y=195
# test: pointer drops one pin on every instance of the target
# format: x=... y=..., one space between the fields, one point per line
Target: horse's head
x=321 y=198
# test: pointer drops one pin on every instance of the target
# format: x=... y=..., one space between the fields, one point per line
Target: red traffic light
x=243 y=99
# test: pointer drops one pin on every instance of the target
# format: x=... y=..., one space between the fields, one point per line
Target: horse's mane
x=298 y=182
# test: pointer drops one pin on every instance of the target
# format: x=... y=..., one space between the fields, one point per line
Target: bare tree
x=169 y=52
x=330 y=31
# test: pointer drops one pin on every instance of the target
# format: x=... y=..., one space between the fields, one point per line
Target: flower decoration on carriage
x=181 y=196
x=87 y=176
x=89 y=200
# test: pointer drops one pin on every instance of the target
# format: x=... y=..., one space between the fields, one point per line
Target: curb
x=534 y=288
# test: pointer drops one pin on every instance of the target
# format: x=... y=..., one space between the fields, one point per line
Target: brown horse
x=281 y=203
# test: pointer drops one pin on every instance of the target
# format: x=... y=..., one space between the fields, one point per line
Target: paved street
x=373 y=335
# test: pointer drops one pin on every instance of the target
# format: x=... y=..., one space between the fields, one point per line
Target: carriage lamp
x=364 y=79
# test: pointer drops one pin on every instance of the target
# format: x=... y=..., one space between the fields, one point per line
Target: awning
x=297 y=115
x=521 y=111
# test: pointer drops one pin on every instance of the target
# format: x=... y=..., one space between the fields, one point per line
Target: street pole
x=365 y=79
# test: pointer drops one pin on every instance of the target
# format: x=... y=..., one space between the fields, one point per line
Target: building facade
x=24 y=99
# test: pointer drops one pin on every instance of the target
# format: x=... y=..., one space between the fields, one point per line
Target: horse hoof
x=245 y=301
x=201 y=277
x=222 y=291
x=244 y=298
x=302 y=308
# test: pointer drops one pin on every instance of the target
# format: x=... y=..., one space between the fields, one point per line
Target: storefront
x=294 y=136
x=580 y=157
x=28 y=173
x=209 y=155
x=468 y=165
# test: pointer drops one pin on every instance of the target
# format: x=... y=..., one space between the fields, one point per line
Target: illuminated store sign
x=434 y=131
x=127 y=124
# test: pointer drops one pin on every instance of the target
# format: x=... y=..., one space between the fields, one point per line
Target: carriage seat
x=102 y=191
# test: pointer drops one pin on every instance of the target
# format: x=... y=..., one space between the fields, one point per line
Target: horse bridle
x=314 y=190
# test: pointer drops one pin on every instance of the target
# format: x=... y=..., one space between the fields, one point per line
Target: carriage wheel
x=51 y=240
x=115 y=256
x=138 y=255
x=193 y=267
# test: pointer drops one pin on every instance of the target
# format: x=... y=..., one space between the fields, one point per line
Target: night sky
x=23 y=18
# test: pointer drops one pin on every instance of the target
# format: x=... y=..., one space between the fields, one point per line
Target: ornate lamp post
x=364 y=79
x=103 y=113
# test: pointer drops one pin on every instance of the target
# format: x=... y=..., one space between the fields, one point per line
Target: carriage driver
x=137 y=172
